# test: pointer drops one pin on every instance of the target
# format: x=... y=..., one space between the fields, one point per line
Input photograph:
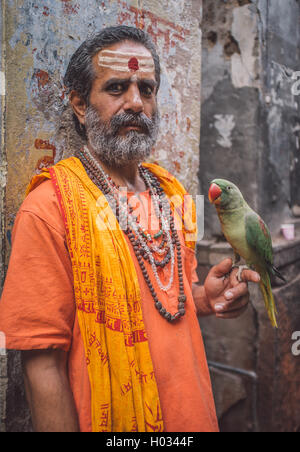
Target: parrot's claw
x=239 y=273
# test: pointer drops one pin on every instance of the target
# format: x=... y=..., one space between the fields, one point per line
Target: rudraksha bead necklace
x=143 y=243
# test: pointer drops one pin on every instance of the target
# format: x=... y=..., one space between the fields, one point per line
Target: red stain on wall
x=70 y=7
x=158 y=27
x=44 y=144
x=47 y=160
x=46 y=11
x=43 y=78
x=177 y=166
x=188 y=124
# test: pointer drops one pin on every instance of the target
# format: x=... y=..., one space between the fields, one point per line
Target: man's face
x=122 y=119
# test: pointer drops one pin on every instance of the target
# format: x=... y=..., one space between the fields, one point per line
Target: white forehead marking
x=129 y=54
x=104 y=59
x=120 y=61
x=125 y=68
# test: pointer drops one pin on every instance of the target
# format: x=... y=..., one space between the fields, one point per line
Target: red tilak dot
x=133 y=64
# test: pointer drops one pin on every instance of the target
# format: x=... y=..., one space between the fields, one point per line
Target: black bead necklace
x=137 y=237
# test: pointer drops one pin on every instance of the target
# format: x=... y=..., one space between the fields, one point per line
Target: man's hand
x=226 y=295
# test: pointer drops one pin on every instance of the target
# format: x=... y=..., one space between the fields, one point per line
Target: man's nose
x=133 y=100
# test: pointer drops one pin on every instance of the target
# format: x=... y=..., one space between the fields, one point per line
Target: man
x=106 y=315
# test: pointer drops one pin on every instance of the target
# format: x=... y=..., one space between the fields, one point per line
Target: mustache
x=133 y=119
x=117 y=150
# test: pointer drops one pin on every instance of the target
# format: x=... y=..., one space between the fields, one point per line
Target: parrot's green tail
x=265 y=286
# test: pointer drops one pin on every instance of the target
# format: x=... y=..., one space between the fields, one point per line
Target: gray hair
x=80 y=73
x=80 y=76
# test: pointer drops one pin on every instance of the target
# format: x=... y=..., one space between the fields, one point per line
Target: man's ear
x=79 y=106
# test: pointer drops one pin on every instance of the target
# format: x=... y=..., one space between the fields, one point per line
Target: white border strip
x=2 y=83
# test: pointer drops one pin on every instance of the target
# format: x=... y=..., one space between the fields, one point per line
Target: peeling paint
x=3 y=175
x=251 y=81
x=245 y=64
x=178 y=39
x=42 y=38
x=296 y=132
x=224 y=125
x=282 y=81
x=46 y=160
x=213 y=72
x=70 y=7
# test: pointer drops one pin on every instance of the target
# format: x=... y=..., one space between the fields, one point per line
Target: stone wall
x=250 y=116
x=3 y=360
x=255 y=375
x=40 y=37
x=249 y=134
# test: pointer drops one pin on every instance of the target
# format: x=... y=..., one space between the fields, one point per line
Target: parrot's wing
x=259 y=238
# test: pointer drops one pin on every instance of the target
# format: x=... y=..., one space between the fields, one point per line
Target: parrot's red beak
x=214 y=193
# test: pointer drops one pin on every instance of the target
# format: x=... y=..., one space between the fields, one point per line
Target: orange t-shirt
x=38 y=311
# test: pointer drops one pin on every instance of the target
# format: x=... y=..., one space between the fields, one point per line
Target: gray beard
x=115 y=150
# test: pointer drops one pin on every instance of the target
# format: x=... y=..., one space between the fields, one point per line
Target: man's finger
x=235 y=304
x=232 y=314
x=249 y=276
x=222 y=269
x=236 y=292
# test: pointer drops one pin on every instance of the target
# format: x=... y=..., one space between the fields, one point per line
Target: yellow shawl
x=124 y=395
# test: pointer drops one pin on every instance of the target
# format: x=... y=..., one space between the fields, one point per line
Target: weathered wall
x=40 y=37
x=3 y=358
x=249 y=134
x=281 y=107
x=255 y=376
x=230 y=140
x=250 y=117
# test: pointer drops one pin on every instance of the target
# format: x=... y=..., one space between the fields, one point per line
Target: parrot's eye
x=228 y=188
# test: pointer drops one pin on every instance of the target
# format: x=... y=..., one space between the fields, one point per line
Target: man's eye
x=146 y=90
x=116 y=88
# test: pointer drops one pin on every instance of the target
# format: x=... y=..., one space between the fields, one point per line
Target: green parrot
x=248 y=235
